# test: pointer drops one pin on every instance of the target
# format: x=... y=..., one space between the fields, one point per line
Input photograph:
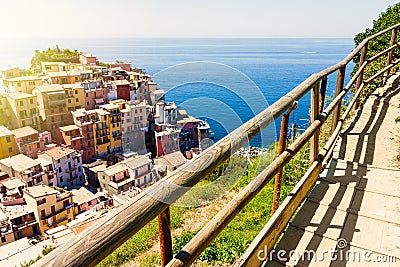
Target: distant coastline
x=276 y=65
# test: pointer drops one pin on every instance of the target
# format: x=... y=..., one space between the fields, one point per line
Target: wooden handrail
x=94 y=244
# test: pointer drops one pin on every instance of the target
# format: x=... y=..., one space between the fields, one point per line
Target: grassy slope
x=233 y=241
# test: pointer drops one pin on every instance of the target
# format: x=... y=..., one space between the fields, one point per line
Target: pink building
x=30 y=142
x=87 y=59
x=83 y=199
x=123 y=65
x=167 y=141
x=96 y=94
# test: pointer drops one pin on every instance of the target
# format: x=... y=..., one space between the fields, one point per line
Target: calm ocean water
x=246 y=75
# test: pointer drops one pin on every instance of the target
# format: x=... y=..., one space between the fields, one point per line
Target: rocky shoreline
x=251 y=151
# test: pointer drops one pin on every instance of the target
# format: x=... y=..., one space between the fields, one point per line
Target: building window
x=151 y=177
x=144 y=180
x=8 y=139
x=76 y=99
x=19 y=84
x=58 y=161
x=41 y=201
x=136 y=173
x=61 y=179
x=148 y=167
x=68 y=156
x=31 y=101
x=10 y=150
x=21 y=103
x=59 y=170
x=3 y=239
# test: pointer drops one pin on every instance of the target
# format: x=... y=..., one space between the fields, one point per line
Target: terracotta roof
x=24 y=131
x=59 y=152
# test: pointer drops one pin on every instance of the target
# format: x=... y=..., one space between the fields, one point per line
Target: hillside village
x=78 y=138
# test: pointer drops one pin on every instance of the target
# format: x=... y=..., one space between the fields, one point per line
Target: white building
x=134 y=126
x=67 y=164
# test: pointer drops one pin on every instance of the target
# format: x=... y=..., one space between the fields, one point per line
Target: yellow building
x=114 y=127
x=52 y=106
x=24 y=84
x=23 y=110
x=7 y=143
x=52 y=208
x=74 y=96
x=12 y=73
x=59 y=66
x=5 y=111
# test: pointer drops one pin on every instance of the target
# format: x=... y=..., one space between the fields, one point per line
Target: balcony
x=73 y=178
x=73 y=168
x=24 y=225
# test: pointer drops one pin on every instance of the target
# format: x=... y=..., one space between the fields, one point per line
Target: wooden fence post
x=281 y=148
x=390 y=54
x=360 y=78
x=164 y=233
x=339 y=87
x=314 y=112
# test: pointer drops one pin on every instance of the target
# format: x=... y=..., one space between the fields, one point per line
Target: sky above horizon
x=187 y=18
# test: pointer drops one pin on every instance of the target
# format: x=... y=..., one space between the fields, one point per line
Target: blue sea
x=225 y=81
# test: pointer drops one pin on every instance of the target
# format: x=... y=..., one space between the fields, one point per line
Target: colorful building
x=24 y=110
x=8 y=147
x=123 y=89
x=167 y=141
x=51 y=207
x=123 y=65
x=95 y=94
x=132 y=172
x=87 y=59
x=67 y=163
x=188 y=137
x=107 y=129
x=23 y=84
x=75 y=96
x=83 y=200
x=12 y=73
x=5 y=111
x=21 y=220
x=52 y=107
x=22 y=167
x=134 y=125
x=65 y=77
x=59 y=66
x=85 y=121
x=28 y=141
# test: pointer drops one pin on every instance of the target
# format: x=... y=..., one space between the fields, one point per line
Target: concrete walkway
x=352 y=216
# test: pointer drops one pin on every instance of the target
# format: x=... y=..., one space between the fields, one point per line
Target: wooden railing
x=94 y=244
